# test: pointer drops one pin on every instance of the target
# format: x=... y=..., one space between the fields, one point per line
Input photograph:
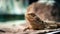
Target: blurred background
x=13 y=10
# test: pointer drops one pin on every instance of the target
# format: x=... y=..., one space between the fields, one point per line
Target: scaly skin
x=37 y=14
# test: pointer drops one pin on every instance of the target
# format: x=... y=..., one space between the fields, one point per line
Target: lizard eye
x=32 y=14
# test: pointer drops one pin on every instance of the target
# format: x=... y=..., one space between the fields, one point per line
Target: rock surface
x=19 y=30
